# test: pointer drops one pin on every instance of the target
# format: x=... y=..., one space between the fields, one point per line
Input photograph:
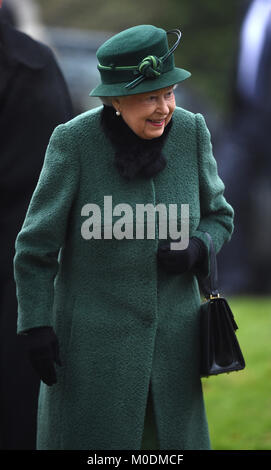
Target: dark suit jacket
x=33 y=100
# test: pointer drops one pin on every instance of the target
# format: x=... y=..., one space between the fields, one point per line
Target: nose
x=162 y=106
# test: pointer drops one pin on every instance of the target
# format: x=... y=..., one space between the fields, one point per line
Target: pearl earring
x=117 y=113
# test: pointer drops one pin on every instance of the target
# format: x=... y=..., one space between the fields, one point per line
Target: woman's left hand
x=180 y=261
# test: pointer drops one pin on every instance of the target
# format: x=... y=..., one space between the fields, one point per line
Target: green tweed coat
x=122 y=322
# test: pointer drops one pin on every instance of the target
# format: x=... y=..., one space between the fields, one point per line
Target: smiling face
x=147 y=114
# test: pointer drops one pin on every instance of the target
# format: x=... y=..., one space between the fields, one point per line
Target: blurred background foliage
x=210 y=33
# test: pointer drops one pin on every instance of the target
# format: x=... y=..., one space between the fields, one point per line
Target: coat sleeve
x=43 y=232
x=216 y=214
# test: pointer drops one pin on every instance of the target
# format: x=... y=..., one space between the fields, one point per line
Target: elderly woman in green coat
x=108 y=310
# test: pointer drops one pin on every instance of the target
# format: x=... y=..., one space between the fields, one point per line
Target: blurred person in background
x=26 y=15
x=244 y=158
x=33 y=100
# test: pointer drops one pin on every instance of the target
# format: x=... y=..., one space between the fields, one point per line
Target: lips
x=156 y=122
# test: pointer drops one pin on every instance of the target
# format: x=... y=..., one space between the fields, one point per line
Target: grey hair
x=107 y=100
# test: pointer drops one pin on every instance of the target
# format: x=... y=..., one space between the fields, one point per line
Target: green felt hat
x=138 y=60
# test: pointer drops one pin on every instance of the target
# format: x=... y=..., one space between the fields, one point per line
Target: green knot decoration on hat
x=138 y=60
x=150 y=66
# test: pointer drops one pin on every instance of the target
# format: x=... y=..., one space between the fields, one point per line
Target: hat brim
x=167 y=79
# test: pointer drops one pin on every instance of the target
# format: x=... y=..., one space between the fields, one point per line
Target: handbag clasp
x=214 y=296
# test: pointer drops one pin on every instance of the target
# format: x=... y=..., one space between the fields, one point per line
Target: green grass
x=239 y=404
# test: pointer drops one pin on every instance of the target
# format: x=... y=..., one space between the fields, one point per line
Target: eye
x=169 y=94
x=152 y=98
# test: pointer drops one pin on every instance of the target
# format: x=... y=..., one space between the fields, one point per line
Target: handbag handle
x=209 y=284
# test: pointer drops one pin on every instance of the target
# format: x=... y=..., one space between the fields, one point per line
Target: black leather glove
x=43 y=349
x=180 y=261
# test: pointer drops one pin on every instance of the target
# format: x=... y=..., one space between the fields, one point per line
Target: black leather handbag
x=220 y=350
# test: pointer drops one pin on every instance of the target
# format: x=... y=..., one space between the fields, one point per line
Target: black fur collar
x=133 y=155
